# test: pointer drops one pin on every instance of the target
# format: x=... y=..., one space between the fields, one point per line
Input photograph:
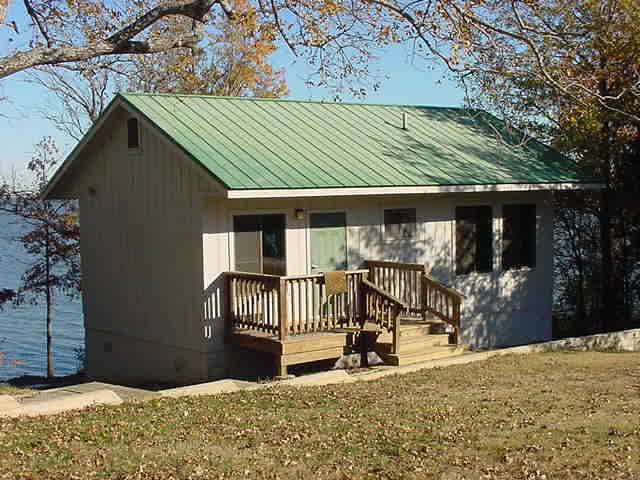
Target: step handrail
x=443 y=302
x=383 y=309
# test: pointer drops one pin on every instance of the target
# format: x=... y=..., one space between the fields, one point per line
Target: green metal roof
x=249 y=143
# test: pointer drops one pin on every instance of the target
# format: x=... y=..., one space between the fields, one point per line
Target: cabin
x=230 y=237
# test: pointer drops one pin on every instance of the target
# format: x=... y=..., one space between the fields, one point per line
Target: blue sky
x=407 y=83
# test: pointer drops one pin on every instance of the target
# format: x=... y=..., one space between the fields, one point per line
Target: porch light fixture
x=299 y=213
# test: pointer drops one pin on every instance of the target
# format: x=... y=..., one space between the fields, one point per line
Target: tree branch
x=38 y=21
x=120 y=42
x=4 y=8
x=51 y=56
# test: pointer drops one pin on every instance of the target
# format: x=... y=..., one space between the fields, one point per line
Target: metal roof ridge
x=295 y=100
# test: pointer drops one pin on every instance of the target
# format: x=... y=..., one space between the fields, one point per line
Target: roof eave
x=409 y=190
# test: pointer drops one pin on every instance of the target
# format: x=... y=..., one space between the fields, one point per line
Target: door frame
x=307 y=230
x=255 y=211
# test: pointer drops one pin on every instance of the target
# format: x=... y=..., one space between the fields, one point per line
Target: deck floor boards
x=294 y=344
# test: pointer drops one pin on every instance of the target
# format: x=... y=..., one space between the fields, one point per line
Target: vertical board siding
x=142 y=250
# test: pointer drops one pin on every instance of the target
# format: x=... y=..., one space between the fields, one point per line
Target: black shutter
x=509 y=229
x=518 y=236
x=465 y=240
x=529 y=237
x=484 y=257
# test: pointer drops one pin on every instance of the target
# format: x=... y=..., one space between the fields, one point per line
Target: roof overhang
x=53 y=182
x=117 y=102
x=408 y=190
x=222 y=190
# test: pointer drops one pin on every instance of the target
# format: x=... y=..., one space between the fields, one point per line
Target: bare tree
x=51 y=240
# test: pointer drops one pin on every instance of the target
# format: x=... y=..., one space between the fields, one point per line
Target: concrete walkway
x=72 y=397
x=57 y=400
x=59 y=404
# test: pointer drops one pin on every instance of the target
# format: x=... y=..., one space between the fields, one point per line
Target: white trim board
x=412 y=190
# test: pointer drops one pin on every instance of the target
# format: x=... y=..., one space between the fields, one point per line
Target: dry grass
x=7 y=389
x=555 y=415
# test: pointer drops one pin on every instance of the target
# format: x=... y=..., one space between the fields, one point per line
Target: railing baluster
x=283 y=328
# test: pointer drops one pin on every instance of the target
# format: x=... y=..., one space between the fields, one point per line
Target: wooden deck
x=295 y=320
x=297 y=349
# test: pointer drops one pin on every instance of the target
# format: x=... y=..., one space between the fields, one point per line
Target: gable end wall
x=141 y=251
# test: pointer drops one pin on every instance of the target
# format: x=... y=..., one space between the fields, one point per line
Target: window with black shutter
x=518 y=236
x=474 y=239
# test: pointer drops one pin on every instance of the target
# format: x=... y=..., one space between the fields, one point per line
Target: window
x=133 y=134
x=400 y=223
x=474 y=239
x=259 y=243
x=518 y=236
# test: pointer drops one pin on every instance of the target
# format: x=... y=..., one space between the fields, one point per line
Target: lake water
x=23 y=329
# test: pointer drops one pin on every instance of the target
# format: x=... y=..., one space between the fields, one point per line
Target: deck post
x=281 y=367
x=283 y=311
x=456 y=321
x=362 y=307
x=228 y=314
x=396 y=334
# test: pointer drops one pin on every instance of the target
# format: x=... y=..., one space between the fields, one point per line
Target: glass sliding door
x=259 y=243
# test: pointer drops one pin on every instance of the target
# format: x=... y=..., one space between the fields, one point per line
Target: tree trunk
x=626 y=271
x=580 y=300
x=50 y=297
x=50 y=305
x=608 y=310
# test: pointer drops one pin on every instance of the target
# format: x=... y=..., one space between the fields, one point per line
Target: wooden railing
x=253 y=301
x=290 y=305
x=299 y=304
x=410 y=283
x=382 y=309
x=311 y=310
x=443 y=302
x=401 y=280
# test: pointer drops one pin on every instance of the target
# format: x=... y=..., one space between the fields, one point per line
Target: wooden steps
x=432 y=353
x=417 y=343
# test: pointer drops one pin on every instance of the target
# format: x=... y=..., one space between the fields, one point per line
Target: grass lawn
x=552 y=415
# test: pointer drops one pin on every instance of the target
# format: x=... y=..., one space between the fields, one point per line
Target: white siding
x=502 y=308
